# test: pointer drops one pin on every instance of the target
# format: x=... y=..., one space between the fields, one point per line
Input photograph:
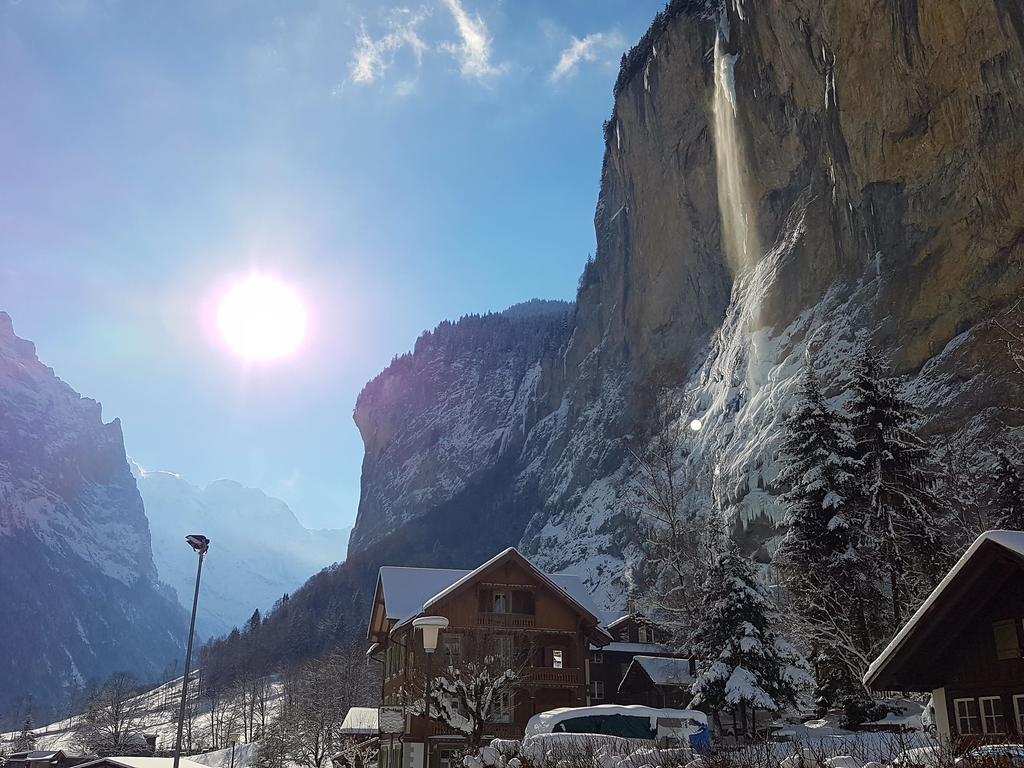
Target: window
x=452 y=648
x=1007 y=642
x=967 y=719
x=502 y=712
x=597 y=690
x=596 y=657
x=556 y=658
x=500 y=604
x=992 y=719
x=446 y=758
x=1018 y=711
x=643 y=634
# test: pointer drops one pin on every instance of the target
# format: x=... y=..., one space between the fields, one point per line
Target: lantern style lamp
x=431 y=626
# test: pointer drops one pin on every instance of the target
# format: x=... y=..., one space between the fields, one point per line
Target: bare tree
x=113 y=720
x=316 y=697
x=480 y=672
x=661 y=492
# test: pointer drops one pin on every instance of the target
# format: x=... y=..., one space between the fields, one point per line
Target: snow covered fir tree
x=745 y=665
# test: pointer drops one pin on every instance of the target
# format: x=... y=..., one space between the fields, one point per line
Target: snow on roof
x=623 y=647
x=546 y=722
x=360 y=720
x=1009 y=540
x=610 y=618
x=410 y=591
x=142 y=762
x=406 y=590
x=662 y=670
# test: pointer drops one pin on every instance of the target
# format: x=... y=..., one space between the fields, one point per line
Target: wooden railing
x=510 y=620
x=552 y=676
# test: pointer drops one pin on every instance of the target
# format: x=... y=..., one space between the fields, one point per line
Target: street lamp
x=200 y=544
x=431 y=626
x=233 y=740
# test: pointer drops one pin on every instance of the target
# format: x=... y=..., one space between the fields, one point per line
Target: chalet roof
x=360 y=721
x=617 y=646
x=611 y=619
x=140 y=762
x=408 y=592
x=952 y=589
x=661 y=670
x=36 y=755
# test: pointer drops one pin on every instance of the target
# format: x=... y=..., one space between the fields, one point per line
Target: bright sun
x=262 y=319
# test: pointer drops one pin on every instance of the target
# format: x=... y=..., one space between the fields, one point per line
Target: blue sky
x=395 y=164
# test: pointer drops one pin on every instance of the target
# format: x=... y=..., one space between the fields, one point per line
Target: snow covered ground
x=158 y=709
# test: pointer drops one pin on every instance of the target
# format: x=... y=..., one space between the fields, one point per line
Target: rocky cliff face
x=81 y=595
x=877 y=147
x=259 y=550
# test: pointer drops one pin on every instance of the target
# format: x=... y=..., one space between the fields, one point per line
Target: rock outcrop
x=82 y=598
x=879 y=147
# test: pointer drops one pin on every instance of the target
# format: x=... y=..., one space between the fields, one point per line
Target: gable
x=941 y=625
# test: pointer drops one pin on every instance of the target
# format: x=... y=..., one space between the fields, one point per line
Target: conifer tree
x=745 y=666
x=900 y=515
x=1009 y=495
x=820 y=474
x=822 y=560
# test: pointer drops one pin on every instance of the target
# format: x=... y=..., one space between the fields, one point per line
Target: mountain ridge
x=75 y=544
x=259 y=550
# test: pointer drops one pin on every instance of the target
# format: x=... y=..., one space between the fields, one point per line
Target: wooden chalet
x=658 y=681
x=545 y=622
x=964 y=645
x=632 y=635
x=53 y=758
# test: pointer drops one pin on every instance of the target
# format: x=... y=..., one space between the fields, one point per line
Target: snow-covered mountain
x=874 y=167
x=79 y=594
x=258 y=549
x=873 y=164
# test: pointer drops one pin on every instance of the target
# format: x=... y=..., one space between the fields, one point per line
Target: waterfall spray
x=738 y=216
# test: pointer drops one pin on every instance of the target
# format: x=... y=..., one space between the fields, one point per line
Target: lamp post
x=233 y=740
x=200 y=544
x=431 y=626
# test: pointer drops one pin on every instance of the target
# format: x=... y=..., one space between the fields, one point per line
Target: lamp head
x=198 y=542
x=431 y=626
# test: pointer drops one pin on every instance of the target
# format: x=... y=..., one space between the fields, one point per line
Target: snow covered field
x=157 y=711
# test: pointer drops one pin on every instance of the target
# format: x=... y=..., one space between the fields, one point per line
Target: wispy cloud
x=473 y=51
x=591 y=48
x=374 y=55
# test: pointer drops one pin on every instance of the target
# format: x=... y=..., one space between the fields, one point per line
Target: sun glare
x=262 y=319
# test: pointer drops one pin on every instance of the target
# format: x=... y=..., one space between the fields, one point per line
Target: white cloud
x=473 y=51
x=590 y=49
x=373 y=56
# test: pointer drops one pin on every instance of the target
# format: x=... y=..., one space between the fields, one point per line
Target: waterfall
x=738 y=216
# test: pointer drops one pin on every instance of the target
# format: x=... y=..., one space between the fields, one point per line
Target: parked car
x=666 y=727
x=993 y=756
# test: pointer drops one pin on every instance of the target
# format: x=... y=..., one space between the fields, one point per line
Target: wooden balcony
x=553 y=678
x=507 y=620
x=497 y=730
